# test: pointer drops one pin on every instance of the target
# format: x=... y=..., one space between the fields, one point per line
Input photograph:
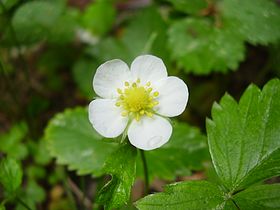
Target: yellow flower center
x=137 y=100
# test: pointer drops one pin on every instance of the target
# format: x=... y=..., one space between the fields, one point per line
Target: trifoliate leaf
x=10 y=142
x=99 y=17
x=189 y=6
x=33 y=20
x=259 y=197
x=186 y=195
x=185 y=151
x=83 y=72
x=258 y=21
x=200 y=47
x=121 y=164
x=244 y=137
x=73 y=142
x=10 y=175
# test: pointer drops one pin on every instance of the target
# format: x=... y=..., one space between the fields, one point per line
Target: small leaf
x=185 y=151
x=99 y=17
x=10 y=175
x=258 y=21
x=186 y=195
x=259 y=197
x=72 y=140
x=10 y=142
x=121 y=164
x=200 y=47
x=2 y=207
x=33 y=20
x=244 y=138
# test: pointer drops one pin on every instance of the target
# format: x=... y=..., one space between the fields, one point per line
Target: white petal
x=173 y=96
x=106 y=118
x=149 y=133
x=110 y=76
x=148 y=68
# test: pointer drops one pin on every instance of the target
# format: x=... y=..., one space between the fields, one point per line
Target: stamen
x=134 y=85
x=126 y=83
x=124 y=114
x=119 y=91
x=156 y=94
x=118 y=103
x=138 y=80
x=150 y=89
x=148 y=84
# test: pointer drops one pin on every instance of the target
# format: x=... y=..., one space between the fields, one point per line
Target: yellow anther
x=121 y=97
x=150 y=89
x=156 y=103
x=126 y=83
x=156 y=94
x=119 y=91
x=142 y=112
x=134 y=85
x=148 y=84
x=118 y=103
x=138 y=80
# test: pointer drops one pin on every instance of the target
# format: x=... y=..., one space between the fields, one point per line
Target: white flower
x=137 y=101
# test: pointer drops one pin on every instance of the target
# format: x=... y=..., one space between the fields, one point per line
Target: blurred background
x=50 y=49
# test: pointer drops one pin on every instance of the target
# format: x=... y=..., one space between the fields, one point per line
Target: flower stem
x=145 y=169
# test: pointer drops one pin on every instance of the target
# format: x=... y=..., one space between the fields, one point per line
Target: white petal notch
x=143 y=95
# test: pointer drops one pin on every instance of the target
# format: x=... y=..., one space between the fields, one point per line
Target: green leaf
x=2 y=207
x=99 y=17
x=83 y=72
x=8 y=4
x=33 y=20
x=121 y=164
x=244 y=138
x=10 y=142
x=72 y=141
x=185 y=151
x=258 y=21
x=189 y=6
x=10 y=175
x=186 y=195
x=146 y=33
x=31 y=195
x=259 y=197
x=200 y=47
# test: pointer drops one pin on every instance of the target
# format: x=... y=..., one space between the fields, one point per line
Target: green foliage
x=99 y=17
x=43 y=15
x=259 y=197
x=83 y=72
x=244 y=138
x=185 y=151
x=244 y=145
x=10 y=142
x=5 y=5
x=73 y=141
x=10 y=175
x=200 y=47
x=186 y=195
x=121 y=164
x=189 y=6
x=258 y=21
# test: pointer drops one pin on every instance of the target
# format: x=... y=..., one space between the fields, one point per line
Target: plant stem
x=146 y=174
x=23 y=203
